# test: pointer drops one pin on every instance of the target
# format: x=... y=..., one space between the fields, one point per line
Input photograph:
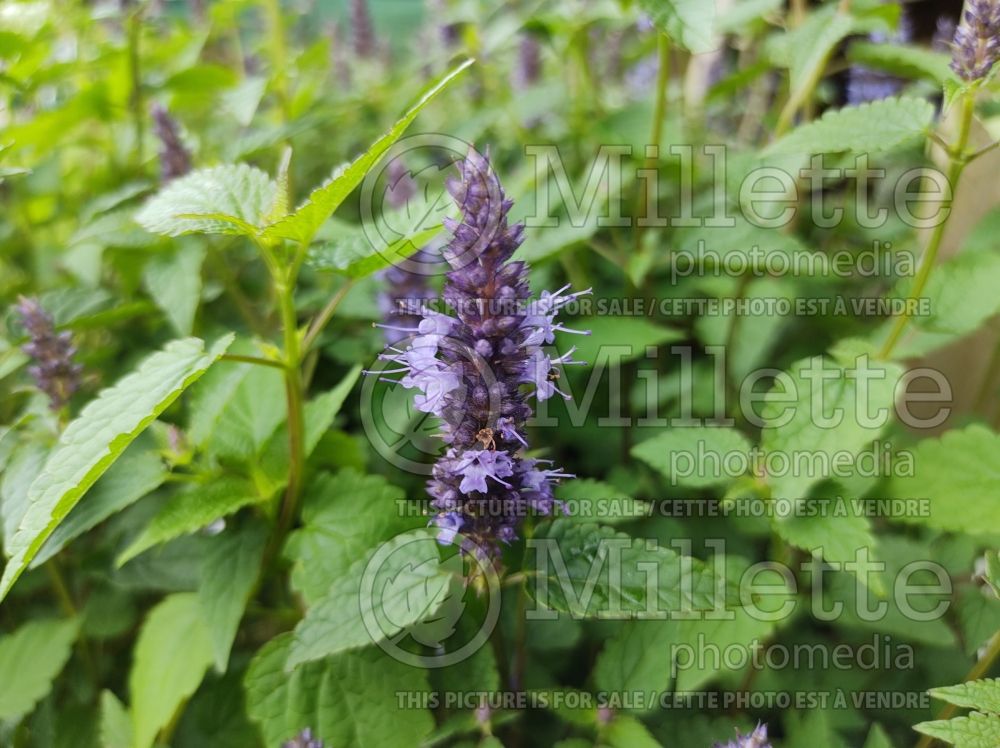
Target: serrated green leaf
x=353 y=255
x=231 y=567
x=30 y=659
x=982 y=695
x=192 y=510
x=25 y=464
x=974 y=731
x=92 y=442
x=694 y=456
x=866 y=128
x=373 y=602
x=579 y=574
x=116 y=725
x=231 y=199
x=172 y=655
x=690 y=23
x=905 y=60
x=829 y=410
x=344 y=699
x=960 y=476
x=174 y=282
x=338 y=527
x=960 y=295
x=302 y=225
x=136 y=474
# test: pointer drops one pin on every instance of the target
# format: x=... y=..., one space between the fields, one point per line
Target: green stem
x=324 y=317
x=235 y=358
x=135 y=76
x=958 y=161
x=294 y=396
x=279 y=55
x=659 y=114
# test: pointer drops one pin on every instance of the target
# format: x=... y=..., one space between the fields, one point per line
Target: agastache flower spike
x=756 y=739
x=476 y=370
x=54 y=370
x=976 y=47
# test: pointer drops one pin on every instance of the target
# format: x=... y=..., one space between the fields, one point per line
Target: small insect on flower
x=54 y=371
x=476 y=369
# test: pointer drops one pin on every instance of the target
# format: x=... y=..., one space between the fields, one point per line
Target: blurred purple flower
x=175 y=161
x=54 y=371
x=976 y=47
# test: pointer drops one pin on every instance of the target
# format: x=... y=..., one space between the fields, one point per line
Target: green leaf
x=808 y=47
x=302 y=225
x=192 y=510
x=877 y=738
x=959 y=294
x=593 y=501
x=91 y=443
x=24 y=466
x=351 y=699
x=824 y=411
x=172 y=655
x=136 y=474
x=116 y=725
x=867 y=128
x=690 y=23
x=578 y=574
x=352 y=254
x=231 y=199
x=337 y=527
x=974 y=731
x=228 y=575
x=174 y=282
x=30 y=659
x=614 y=339
x=695 y=456
x=960 y=476
x=982 y=695
x=904 y=60
x=388 y=589
x=628 y=732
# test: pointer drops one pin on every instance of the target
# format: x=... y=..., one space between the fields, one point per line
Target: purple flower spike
x=476 y=370
x=54 y=370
